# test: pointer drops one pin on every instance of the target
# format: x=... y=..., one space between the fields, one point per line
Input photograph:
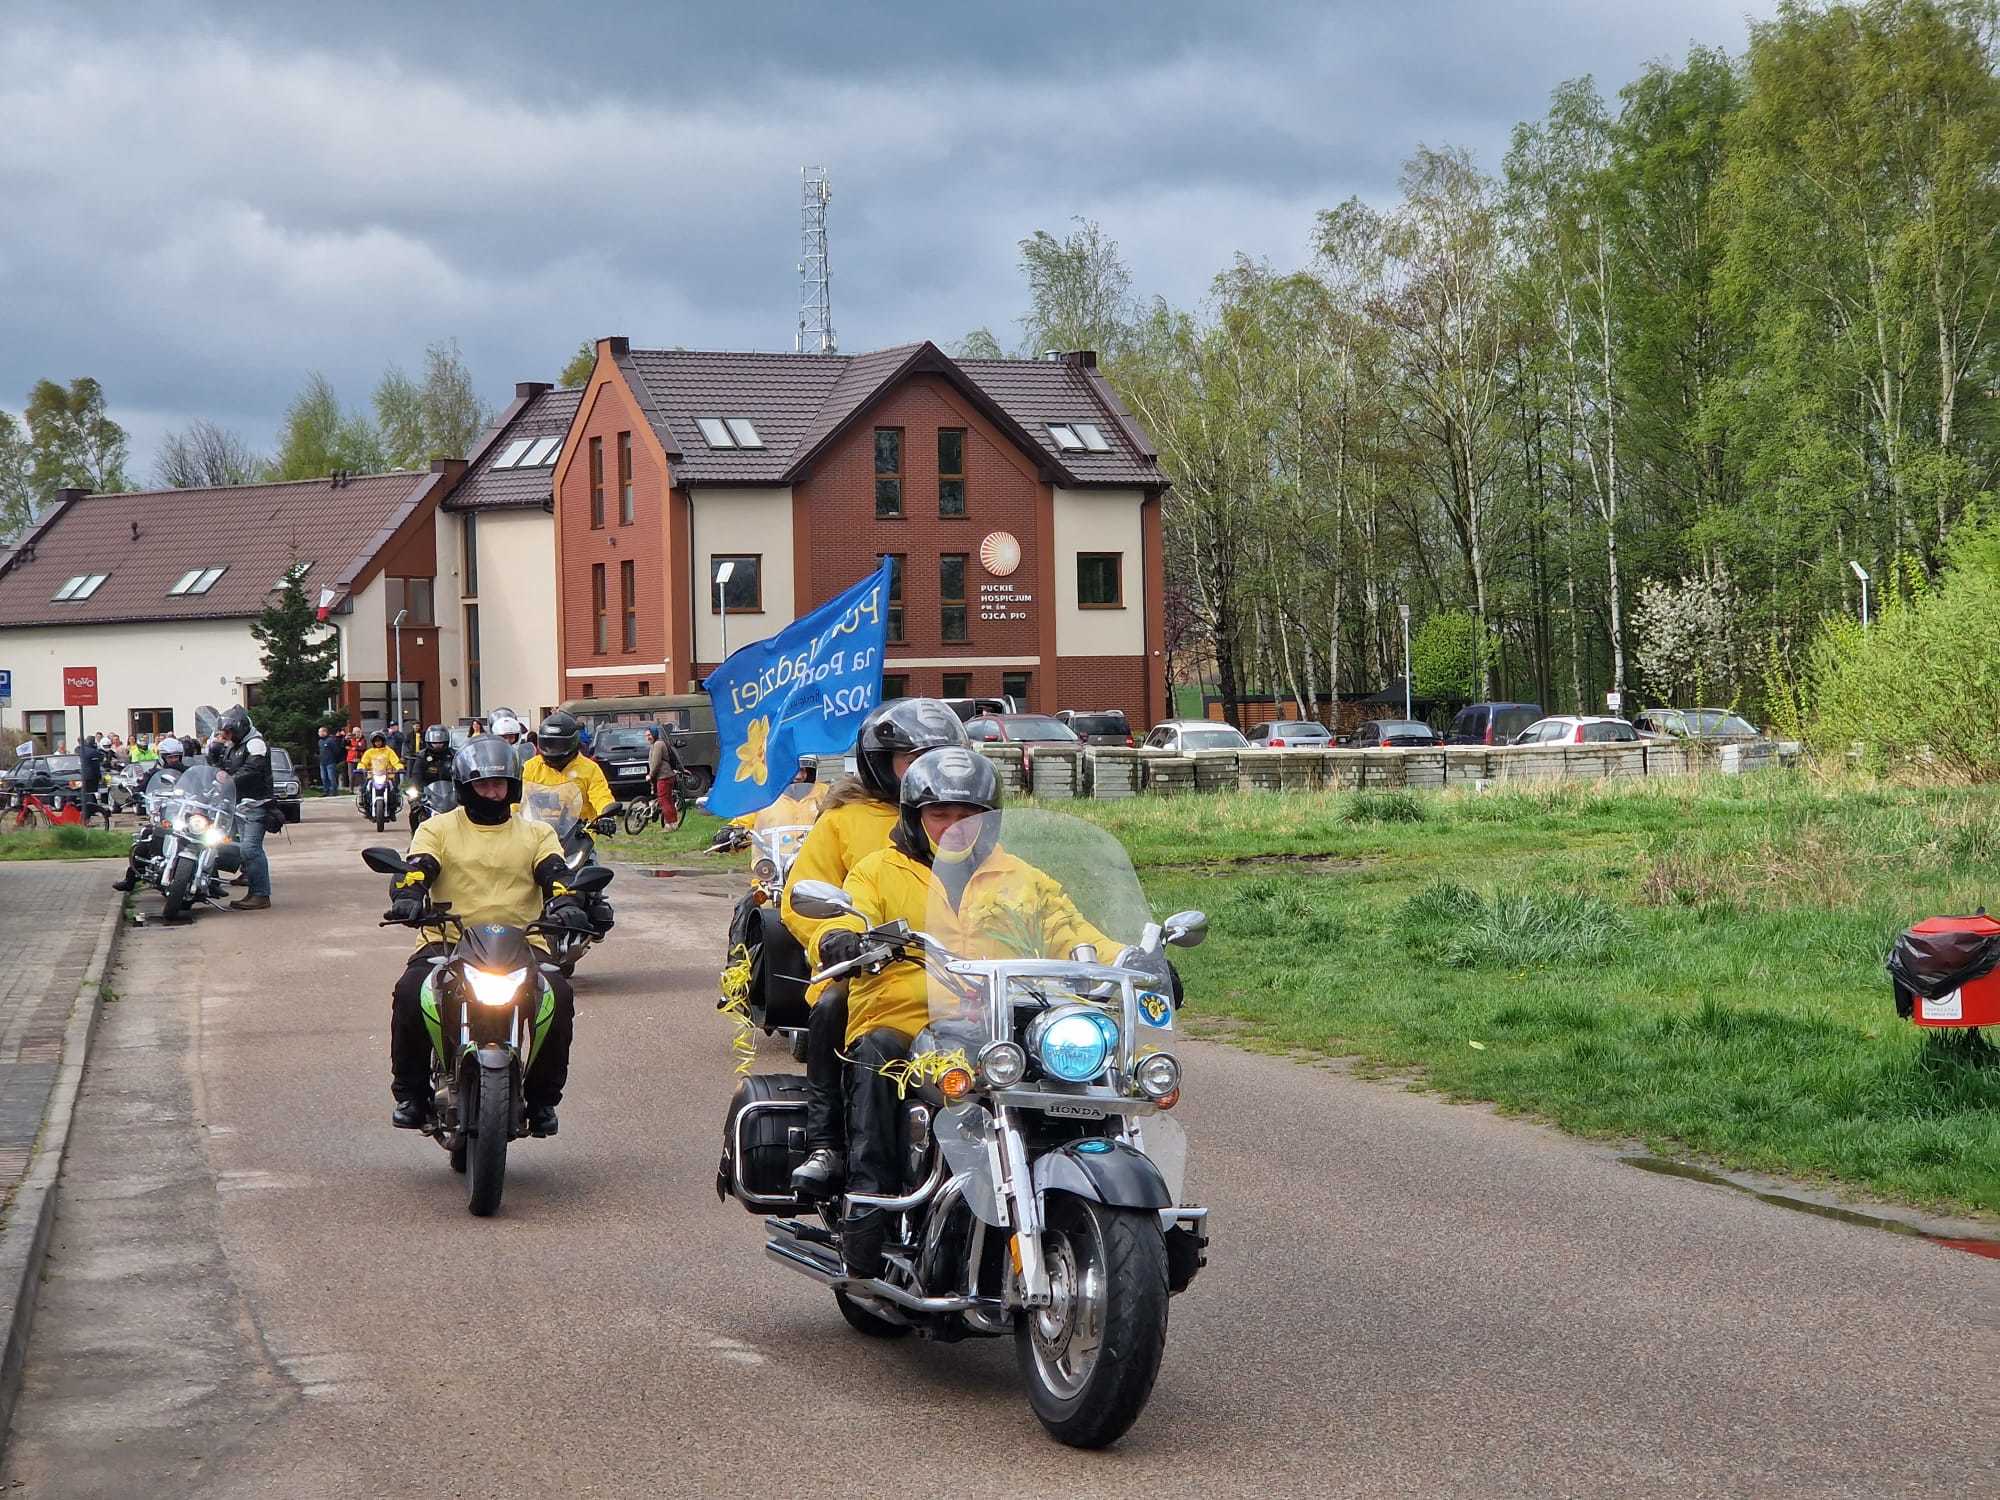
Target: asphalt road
x=258 y=1289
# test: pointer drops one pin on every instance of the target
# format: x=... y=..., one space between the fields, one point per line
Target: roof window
x=715 y=431
x=1092 y=436
x=185 y=583
x=1065 y=438
x=80 y=587
x=194 y=581
x=743 y=432
x=542 y=454
x=512 y=453
x=293 y=573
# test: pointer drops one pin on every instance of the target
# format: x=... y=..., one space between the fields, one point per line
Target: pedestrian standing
x=329 y=760
x=353 y=757
x=663 y=768
x=90 y=755
x=396 y=738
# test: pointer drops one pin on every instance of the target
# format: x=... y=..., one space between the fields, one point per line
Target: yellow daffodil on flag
x=750 y=763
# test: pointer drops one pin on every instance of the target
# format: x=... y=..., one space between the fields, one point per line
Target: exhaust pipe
x=828 y=1272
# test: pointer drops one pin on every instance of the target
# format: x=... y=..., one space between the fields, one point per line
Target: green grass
x=683 y=846
x=1693 y=963
x=73 y=842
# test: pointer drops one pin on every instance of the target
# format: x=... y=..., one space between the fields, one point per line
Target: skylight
x=1093 y=439
x=716 y=431
x=743 y=432
x=296 y=570
x=511 y=455
x=203 y=580
x=185 y=583
x=1065 y=437
x=79 y=588
x=542 y=454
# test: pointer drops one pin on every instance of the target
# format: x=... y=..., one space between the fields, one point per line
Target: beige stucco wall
x=517 y=612
x=364 y=643
x=742 y=521
x=176 y=666
x=1099 y=521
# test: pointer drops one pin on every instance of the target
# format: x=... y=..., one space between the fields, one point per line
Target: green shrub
x=1279 y=910
x=1452 y=925
x=1384 y=807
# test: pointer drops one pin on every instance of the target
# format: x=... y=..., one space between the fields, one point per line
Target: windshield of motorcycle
x=441 y=796
x=205 y=792
x=561 y=807
x=1043 y=885
x=160 y=791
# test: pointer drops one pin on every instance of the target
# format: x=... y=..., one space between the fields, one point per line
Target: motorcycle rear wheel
x=486 y=1158
x=1091 y=1357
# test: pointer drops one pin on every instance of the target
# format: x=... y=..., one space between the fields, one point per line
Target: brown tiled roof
x=798 y=402
x=545 y=413
x=251 y=530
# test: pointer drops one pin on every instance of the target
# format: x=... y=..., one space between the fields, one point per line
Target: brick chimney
x=1083 y=359
x=617 y=346
x=527 y=390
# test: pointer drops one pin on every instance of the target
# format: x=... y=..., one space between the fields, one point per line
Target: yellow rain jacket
x=381 y=758
x=841 y=838
x=583 y=771
x=787 y=810
x=487 y=872
x=1009 y=909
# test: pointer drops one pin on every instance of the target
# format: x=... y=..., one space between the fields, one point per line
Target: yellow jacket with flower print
x=1010 y=909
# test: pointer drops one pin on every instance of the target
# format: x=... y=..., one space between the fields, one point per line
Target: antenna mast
x=815 y=295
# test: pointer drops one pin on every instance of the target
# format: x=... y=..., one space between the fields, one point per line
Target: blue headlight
x=1074 y=1046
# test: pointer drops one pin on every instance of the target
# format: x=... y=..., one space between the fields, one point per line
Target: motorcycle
x=487 y=1004
x=775 y=998
x=197 y=821
x=561 y=807
x=381 y=798
x=1042 y=1181
x=441 y=796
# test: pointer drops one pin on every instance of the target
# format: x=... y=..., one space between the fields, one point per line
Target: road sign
x=6 y=687
x=79 y=687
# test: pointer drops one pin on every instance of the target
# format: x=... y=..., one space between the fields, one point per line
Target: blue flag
x=804 y=691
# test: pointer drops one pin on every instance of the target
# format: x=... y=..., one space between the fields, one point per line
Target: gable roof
x=537 y=412
x=250 y=531
x=800 y=402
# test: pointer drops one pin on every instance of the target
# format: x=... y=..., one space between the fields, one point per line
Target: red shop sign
x=79 y=687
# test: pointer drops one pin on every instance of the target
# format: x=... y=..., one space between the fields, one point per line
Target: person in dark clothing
x=331 y=750
x=434 y=759
x=247 y=759
x=169 y=766
x=398 y=741
x=91 y=755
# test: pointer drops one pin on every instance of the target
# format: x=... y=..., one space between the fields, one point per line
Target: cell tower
x=815 y=292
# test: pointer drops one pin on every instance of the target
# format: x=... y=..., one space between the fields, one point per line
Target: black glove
x=568 y=911
x=839 y=946
x=605 y=824
x=407 y=906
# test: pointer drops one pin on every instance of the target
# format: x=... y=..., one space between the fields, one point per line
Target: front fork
x=1017 y=1185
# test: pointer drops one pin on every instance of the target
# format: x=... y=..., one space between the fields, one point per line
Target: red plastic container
x=1976 y=1003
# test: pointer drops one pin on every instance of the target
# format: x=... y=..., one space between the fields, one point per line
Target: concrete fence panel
x=1007 y=765
x=1112 y=773
x=1216 y=770
x=1056 y=772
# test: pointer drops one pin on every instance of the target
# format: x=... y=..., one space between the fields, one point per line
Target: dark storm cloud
x=206 y=201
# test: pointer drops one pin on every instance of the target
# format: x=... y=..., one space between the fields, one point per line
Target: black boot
x=411 y=1114
x=126 y=883
x=542 y=1119
x=820 y=1175
x=861 y=1238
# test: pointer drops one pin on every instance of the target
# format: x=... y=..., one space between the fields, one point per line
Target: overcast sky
x=205 y=201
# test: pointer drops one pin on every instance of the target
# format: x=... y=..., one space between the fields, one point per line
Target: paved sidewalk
x=50 y=917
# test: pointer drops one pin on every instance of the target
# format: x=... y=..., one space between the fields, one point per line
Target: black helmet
x=235 y=722
x=437 y=737
x=378 y=738
x=560 y=736
x=953 y=776
x=904 y=724
x=482 y=759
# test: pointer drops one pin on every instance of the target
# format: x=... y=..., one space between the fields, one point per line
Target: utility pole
x=397 y=716
x=1404 y=611
x=815 y=334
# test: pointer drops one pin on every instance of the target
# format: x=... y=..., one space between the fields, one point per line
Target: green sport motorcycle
x=487 y=1005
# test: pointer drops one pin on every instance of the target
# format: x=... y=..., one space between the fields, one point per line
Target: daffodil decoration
x=750 y=765
x=1007 y=923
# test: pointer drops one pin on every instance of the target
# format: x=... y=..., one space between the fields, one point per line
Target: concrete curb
x=24 y=1238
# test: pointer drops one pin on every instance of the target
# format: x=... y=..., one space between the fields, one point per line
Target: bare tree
x=205 y=456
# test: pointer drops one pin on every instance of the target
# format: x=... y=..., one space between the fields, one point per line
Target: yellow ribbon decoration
x=735 y=1004
x=926 y=1067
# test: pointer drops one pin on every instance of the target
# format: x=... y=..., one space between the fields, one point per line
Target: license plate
x=1074 y=1111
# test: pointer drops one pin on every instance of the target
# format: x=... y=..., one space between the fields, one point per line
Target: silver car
x=1195 y=734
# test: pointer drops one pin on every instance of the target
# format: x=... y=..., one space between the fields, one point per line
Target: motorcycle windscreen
x=778 y=842
x=441 y=796
x=160 y=794
x=205 y=790
x=206 y=722
x=561 y=807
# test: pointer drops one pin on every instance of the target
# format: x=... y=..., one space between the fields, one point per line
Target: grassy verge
x=65 y=843
x=682 y=847
x=1697 y=964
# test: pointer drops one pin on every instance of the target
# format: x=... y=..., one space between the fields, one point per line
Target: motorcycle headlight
x=1158 y=1075
x=764 y=869
x=1073 y=1045
x=214 y=836
x=1001 y=1064
x=196 y=822
x=489 y=988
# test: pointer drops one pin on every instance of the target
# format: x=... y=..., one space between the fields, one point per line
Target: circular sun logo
x=1000 y=554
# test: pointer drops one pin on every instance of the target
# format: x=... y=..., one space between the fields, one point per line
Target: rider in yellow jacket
x=944 y=873
x=560 y=763
x=854 y=822
x=379 y=757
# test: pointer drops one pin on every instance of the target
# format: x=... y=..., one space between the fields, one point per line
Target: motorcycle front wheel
x=175 y=893
x=1090 y=1357
x=486 y=1157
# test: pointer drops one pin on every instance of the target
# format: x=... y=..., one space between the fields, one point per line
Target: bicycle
x=641 y=812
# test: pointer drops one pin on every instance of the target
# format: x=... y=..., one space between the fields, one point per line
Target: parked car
x=1578 y=729
x=1491 y=723
x=1025 y=730
x=1694 y=724
x=1392 y=734
x=1097 y=726
x=687 y=719
x=285 y=783
x=969 y=709
x=1195 y=734
x=56 y=779
x=1290 y=734
x=622 y=751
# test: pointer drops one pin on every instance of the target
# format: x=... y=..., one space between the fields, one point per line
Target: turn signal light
x=955 y=1083
x=1170 y=1100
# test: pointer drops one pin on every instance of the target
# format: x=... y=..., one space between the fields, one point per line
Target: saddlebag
x=763 y=1139
x=779 y=972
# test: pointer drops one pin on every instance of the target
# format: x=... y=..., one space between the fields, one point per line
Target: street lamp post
x=1861 y=573
x=1404 y=611
x=397 y=626
x=722 y=575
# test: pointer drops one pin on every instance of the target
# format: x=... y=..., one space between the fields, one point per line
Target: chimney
x=1083 y=359
x=618 y=346
x=64 y=496
x=135 y=531
x=527 y=390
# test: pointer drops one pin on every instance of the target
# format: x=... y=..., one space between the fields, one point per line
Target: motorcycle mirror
x=591 y=878
x=821 y=899
x=385 y=861
x=615 y=810
x=1187 y=929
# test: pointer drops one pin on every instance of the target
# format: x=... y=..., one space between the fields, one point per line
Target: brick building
x=1019 y=499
